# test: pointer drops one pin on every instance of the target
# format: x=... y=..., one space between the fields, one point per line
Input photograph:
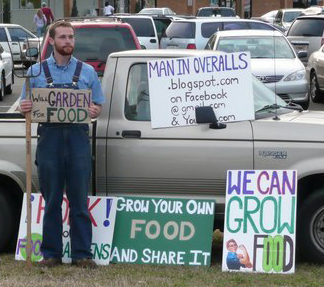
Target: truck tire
x=310 y=230
x=7 y=222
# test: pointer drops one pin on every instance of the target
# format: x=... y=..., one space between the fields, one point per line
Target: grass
x=15 y=274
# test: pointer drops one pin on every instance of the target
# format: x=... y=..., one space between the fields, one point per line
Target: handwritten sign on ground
x=221 y=81
x=60 y=105
x=260 y=221
x=102 y=211
x=163 y=231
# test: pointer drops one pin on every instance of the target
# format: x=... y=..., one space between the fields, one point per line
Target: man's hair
x=51 y=30
x=44 y=4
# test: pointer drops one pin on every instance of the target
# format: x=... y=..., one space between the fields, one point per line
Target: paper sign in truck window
x=221 y=81
x=60 y=105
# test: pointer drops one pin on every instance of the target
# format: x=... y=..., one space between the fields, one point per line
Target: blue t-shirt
x=233 y=262
x=63 y=75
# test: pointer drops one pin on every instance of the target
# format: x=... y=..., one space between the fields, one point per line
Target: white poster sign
x=102 y=211
x=222 y=81
x=260 y=221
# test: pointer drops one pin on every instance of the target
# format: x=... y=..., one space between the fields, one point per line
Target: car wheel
x=2 y=89
x=305 y=105
x=8 y=90
x=310 y=230
x=315 y=93
x=7 y=225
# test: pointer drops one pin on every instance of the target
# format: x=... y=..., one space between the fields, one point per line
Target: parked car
x=6 y=72
x=306 y=34
x=273 y=61
x=216 y=12
x=144 y=28
x=160 y=11
x=12 y=37
x=96 y=39
x=194 y=33
x=315 y=75
x=269 y=17
x=285 y=17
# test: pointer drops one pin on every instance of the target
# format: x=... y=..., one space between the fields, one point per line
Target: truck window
x=137 y=104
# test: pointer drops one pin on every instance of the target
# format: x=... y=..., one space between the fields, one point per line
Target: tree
x=74 y=12
x=6 y=11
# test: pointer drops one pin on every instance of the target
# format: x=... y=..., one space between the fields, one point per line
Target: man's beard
x=65 y=50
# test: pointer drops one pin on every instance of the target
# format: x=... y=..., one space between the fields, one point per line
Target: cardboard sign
x=221 y=81
x=102 y=211
x=163 y=231
x=260 y=221
x=60 y=105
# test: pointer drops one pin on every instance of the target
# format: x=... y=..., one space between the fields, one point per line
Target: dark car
x=95 y=39
x=216 y=12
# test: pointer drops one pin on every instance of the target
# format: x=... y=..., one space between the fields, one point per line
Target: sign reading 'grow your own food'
x=60 y=105
x=221 y=81
x=260 y=221
x=163 y=231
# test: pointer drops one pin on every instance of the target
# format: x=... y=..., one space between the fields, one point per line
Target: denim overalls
x=63 y=159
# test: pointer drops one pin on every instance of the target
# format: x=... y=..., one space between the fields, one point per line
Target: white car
x=157 y=11
x=12 y=37
x=6 y=72
x=273 y=61
x=269 y=17
x=144 y=29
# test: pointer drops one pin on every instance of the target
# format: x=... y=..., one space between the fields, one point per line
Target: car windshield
x=142 y=27
x=95 y=44
x=184 y=30
x=259 y=47
x=291 y=16
x=137 y=105
x=307 y=27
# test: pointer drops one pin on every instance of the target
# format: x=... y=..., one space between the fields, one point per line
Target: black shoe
x=50 y=262
x=84 y=263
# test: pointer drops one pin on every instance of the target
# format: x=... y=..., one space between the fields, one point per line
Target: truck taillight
x=322 y=41
x=191 y=46
x=24 y=46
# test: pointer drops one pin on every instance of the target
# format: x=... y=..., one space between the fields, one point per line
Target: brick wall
x=259 y=7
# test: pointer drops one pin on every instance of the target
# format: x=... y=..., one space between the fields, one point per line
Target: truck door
x=184 y=161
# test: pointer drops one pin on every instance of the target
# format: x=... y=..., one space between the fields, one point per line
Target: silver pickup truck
x=131 y=158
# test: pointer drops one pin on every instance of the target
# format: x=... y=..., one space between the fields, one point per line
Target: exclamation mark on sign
x=107 y=222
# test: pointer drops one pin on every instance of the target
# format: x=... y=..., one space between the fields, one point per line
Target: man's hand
x=25 y=106
x=94 y=111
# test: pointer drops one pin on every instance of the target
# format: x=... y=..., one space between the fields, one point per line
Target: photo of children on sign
x=102 y=211
x=260 y=221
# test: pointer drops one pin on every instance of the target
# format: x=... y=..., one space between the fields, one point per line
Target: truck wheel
x=314 y=91
x=8 y=90
x=7 y=225
x=310 y=230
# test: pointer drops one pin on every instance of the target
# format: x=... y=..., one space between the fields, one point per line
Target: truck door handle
x=152 y=41
x=131 y=134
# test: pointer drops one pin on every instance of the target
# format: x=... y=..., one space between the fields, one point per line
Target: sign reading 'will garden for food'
x=60 y=105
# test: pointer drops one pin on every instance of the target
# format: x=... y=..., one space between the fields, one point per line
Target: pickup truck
x=131 y=158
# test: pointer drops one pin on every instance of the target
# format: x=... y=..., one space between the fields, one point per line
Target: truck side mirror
x=205 y=115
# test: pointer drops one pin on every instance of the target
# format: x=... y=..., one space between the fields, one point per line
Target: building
x=23 y=11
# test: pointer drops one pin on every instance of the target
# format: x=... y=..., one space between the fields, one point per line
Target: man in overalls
x=63 y=155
